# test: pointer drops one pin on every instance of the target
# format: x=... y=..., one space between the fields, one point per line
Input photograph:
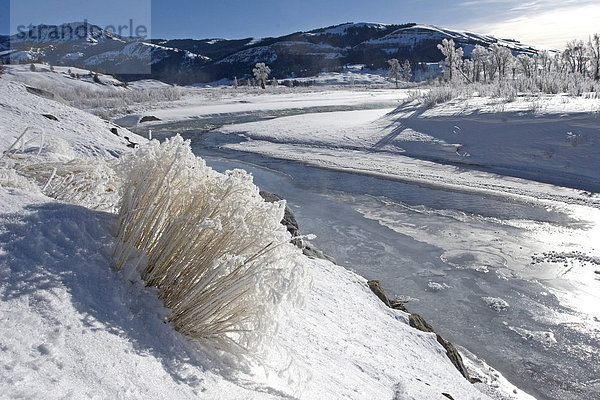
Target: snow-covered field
x=72 y=327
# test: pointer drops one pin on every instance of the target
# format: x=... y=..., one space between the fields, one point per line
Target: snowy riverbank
x=74 y=327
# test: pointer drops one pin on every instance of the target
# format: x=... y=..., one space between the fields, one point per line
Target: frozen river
x=514 y=281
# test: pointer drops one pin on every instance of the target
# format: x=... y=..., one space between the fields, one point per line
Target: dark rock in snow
x=417 y=322
x=50 y=116
x=314 y=253
x=448 y=396
x=114 y=131
x=41 y=93
x=131 y=144
x=398 y=305
x=289 y=219
x=376 y=288
x=149 y=118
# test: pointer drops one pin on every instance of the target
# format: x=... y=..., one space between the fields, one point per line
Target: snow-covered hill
x=299 y=54
x=73 y=327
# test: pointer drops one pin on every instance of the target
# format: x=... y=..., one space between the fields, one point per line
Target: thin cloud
x=552 y=29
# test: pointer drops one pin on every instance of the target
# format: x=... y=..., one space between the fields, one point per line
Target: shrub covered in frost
x=211 y=246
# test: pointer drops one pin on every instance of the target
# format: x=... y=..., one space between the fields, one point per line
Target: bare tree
x=453 y=57
x=575 y=56
x=594 y=55
x=502 y=57
x=261 y=73
x=543 y=61
x=526 y=65
x=406 y=71
x=395 y=70
x=478 y=56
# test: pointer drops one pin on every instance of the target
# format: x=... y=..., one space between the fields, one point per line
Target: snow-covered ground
x=73 y=327
x=555 y=143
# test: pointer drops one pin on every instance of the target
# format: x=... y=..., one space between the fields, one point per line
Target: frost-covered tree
x=593 y=49
x=406 y=71
x=274 y=82
x=453 y=57
x=543 y=61
x=502 y=58
x=574 y=56
x=479 y=56
x=526 y=65
x=235 y=82
x=261 y=73
x=394 y=70
x=467 y=68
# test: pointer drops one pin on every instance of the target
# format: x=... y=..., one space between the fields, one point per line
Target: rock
x=454 y=356
x=114 y=131
x=149 y=118
x=448 y=396
x=41 y=93
x=50 y=116
x=417 y=322
x=376 y=288
x=289 y=219
x=130 y=144
x=398 y=305
x=314 y=253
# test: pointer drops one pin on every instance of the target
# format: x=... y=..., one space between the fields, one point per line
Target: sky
x=545 y=23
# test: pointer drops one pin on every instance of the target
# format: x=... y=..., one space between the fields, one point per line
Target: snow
x=414 y=144
x=415 y=34
x=74 y=327
x=75 y=133
x=534 y=150
x=342 y=29
x=209 y=102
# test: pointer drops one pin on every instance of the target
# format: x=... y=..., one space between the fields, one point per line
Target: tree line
x=574 y=70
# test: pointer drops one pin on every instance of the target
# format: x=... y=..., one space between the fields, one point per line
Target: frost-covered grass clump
x=211 y=246
x=85 y=181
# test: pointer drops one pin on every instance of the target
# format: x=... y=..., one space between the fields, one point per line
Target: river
x=475 y=266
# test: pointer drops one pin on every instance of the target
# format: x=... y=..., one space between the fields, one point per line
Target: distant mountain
x=197 y=61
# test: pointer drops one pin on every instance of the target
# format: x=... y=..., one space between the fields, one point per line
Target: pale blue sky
x=543 y=22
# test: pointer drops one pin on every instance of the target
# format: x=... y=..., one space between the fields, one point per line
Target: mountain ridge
x=298 y=54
